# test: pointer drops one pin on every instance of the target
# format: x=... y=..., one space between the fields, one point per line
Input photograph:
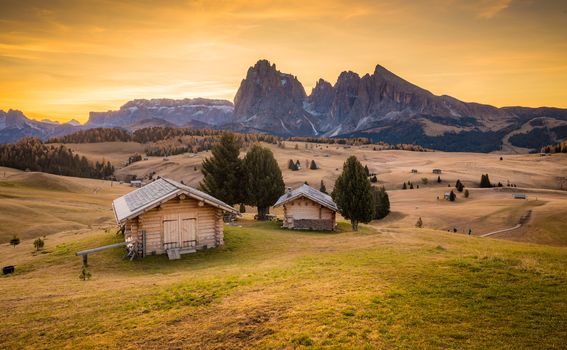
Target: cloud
x=489 y=8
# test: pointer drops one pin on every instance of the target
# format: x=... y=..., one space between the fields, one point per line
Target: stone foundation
x=314 y=224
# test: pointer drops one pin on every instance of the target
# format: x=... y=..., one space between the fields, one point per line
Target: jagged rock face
x=321 y=98
x=171 y=112
x=268 y=99
x=14 y=125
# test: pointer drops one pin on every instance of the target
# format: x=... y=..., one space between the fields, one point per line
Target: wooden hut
x=437 y=171
x=307 y=208
x=167 y=217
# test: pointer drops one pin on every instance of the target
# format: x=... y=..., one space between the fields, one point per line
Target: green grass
x=274 y=288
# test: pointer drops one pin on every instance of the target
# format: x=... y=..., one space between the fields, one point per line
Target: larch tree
x=264 y=181
x=223 y=171
x=353 y=193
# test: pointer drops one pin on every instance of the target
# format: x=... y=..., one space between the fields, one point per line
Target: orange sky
x=62 y=59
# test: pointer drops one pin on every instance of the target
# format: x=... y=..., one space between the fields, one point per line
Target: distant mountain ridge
x=380 y=106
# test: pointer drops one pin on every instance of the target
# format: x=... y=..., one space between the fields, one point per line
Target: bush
x=452 y=196
x=467 y=194
x=424 y=180
x=374 y=179
x=15 y=241
x=38 y=244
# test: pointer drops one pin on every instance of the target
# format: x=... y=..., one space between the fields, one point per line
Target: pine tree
x=313 y=165
x=459 y=186
x=411 y=186
x=452 y=196
x=404 y=187
x=264 y=182
x=485 y=181
x=291 y=165
x=323 y=188
x=419 y=223
x=381 y=201
x=223 y=174
x=467 y=194
x=353 y=193
x=438 y=179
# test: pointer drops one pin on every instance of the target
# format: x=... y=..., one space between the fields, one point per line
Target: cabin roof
x=310 y=193
x=157 y=192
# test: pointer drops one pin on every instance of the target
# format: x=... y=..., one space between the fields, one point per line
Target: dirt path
x=523 y=220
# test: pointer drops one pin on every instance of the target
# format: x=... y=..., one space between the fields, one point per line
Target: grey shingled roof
x=308 y=192
x=157 y=192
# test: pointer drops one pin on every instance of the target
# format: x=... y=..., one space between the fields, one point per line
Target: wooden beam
x=98 y=249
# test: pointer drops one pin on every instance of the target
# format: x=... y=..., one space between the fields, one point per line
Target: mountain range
x=380 y=106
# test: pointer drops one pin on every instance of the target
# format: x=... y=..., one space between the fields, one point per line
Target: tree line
x=33 y=155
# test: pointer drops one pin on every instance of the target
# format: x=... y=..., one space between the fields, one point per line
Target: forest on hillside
x=33 y=155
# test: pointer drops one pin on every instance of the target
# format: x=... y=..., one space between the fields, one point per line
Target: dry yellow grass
x=39 y=204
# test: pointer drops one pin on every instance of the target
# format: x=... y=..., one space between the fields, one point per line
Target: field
x=271 y=288
x=390 y=285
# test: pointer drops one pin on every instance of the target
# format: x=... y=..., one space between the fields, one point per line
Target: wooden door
x=171 y=233
x=188 y=232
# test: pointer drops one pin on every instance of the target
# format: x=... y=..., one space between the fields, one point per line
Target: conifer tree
x=323 y=188
x=223 y=173
x=353 y=193
x=313 y=165
x=452 y=196
x=404 y=187
x=485 y=181
x=438 y=179
x=419 y=223
x=381 y=201
x=264 y=182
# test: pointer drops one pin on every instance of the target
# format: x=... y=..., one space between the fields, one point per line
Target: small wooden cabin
x=308 y=209
x=520 y=196
x=437 y=171
x=167 y=217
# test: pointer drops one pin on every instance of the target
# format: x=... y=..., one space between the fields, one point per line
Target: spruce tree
x=323 y=188
x=223 y=174
x=438 y=179
x=353 y=193
x=381 y=201
x=313 y=165
x=485 y=181
x=404 y=187
x=264 y=182
x=419 y=223
x=459 y=186
x=452 y=196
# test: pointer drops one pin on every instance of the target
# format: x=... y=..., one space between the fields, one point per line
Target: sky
x=61 y=59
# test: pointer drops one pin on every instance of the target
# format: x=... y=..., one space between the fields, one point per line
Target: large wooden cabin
x=308 y=209
x=168 y=217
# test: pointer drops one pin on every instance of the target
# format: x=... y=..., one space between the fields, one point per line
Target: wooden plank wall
x=209 y=223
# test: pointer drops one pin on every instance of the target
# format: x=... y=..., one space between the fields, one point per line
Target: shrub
x=15 y=241
x=467 y=194
x=424 y=180
x=38 y=244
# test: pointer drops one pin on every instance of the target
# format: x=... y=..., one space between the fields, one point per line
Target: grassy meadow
x=273 y=288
